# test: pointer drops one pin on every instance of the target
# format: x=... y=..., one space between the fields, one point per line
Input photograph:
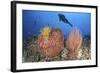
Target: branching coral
x=53 y=45
x=74 y=42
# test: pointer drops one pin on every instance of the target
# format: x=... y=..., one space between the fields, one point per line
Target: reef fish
x=64 y=19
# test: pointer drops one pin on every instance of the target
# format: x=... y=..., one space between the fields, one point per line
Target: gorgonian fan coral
x=74 y=42
x=51 y=45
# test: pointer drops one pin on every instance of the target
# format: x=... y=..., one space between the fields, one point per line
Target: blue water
x=34 y=21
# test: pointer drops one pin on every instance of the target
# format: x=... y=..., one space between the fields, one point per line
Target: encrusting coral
x=74 y=42
x=51 y=42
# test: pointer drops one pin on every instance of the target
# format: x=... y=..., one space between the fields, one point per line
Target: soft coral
x=74 y=42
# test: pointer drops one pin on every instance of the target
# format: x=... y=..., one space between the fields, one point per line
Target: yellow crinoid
x=46 y=32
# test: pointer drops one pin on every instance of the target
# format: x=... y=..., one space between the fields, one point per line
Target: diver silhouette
x=64 y=19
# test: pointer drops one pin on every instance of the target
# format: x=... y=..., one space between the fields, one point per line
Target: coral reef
x=64 y=54
x=30 y=50
x=85 y=50
x=74 y=42
x=51 y=47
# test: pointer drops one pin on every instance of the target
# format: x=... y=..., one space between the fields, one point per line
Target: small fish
x=64 y=19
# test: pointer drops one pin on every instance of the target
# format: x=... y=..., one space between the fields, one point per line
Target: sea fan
x=52 y=45
x=74 y=42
